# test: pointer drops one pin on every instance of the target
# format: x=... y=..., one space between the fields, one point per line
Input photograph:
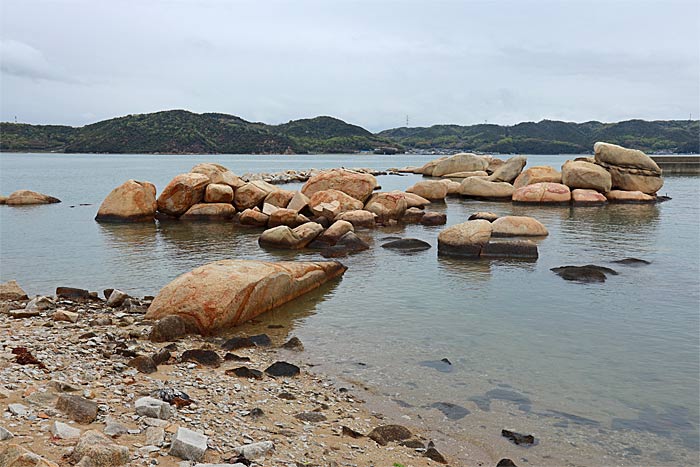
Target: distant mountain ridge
x=184 y=132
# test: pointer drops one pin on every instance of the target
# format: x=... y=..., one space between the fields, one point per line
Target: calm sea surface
x=601 y=374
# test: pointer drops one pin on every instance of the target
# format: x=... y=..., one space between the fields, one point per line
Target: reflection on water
x=608 y=372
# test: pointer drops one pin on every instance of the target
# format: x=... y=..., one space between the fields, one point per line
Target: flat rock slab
x=407 y=244
x=188 y=444
x=230 y=292
x=588 y=273
x=77 y=408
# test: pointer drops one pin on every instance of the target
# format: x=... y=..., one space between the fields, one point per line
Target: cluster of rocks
x=479 y=237
x=26 y=198
x=615 y=174
x=71 y=392
x=295 y=176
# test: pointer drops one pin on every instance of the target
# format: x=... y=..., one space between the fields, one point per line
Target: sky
x=372 y=63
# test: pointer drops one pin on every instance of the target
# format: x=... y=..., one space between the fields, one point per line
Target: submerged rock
x=28 y=197
x=347 y=244
x=230 y=292
x=632 y=261
x=465 y=239
x=588 y=273
x=407 y=244
x=487 y=216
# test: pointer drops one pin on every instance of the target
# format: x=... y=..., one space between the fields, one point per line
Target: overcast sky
x=371 y=62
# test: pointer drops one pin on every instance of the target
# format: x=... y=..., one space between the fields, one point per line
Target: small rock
x=293 y=344
x=143 y=364
x=64 y=431
x=407 y=244
x=282 y=369
x=413 y=443
x=586 y=274
x=114 y=428
x=202 y=356
x=312 y=417
x=116 y=298
x=385 y=433
x=155 y=436
x=433 y=454
x=12 y=291
x=261 y=340
x=72 y=293
x=99 y=450
x=632 y=262
x=232 y=357
x=238 y=343
x=161 y=356
x=154 y=408
x=434 y=218
x=255 y=450
x=21 y=314
x=505 y=462
x=65 y=315
x=5 y=434
x=14 y=455
x=40 y=304
x=77 y=408
x=169 y=328
x=188 y=444
x=244 y=372
x=18 y=409
x=518 y=438
x=347 y=431
x=24 y=357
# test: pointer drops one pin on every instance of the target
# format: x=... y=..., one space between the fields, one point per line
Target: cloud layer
x=372 y=63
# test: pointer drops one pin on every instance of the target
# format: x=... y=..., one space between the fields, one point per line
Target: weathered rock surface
x=188 y=444
x=218 y=193
x=77 y=408
x=255 y=451
x=183 y=192
x=210 y=211
x=359 y=218
x=412 y=215
x=632 y=197
x=14 y=455
x=509 y=170
x=288 y=217
x=430 y=190
x=476 y=173
x=218 y=174
x=589 y=197
x=537 y=174
x=132 y=201
x=415 y=201
x=11 y=290
x=434 y=218
x=475 y=187
x=230 y=292
x=280 y=198
x=154 y=408
x=253 y=217
x=487 y=216
x=28 y=197
x=387 y=205
x=588 y=273
x=335 y=231
x=168 y=329
x=462 y=162
x=584 y=175
x=543 y=193
x=518 y=226
x=250 y=195
x=385 y=434
x=345 y=201
x=465 y=239
x=358 y=185
x=630 y=169
x=64 y=431
x=298 y=202
x=285 y=237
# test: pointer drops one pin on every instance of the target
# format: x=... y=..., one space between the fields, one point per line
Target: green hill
x=553 y=137
x=183 y=132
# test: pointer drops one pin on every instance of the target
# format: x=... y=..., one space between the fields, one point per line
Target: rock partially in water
x=537 y=174
x=347 y=244
x=132 y=201
x=229 y=292
x=518 y=438
x=11 y=290
x=465 y=239
x=430 y=190
x=483 y=215
x=407 y=244
x=359 y=218
x=253 y=217
x=28 y=197
x=387 y=206
x=183 y=192
x=587 y=274
x=443 y=365
x=632 y=262
x=518 y=226
x=520 y=249
x=451 y=411
x=543 y=193
x=287 y=238
x=209 y=212
x=72 y=293
x=293 y=344
x=434 y=218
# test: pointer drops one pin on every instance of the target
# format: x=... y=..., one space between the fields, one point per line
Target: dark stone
x=107 y=292
x=413 y=443
x=202 y=356
x=77 y=408
x=24 y=357
x=161 y=356
x=170 y=395
x=505 y=462
x=523 y=249
x=238 y=343
x=434 y=218
x=347 y=431
x=433 y=454
x=518 y=438
x=275 y=326
x=71 y=293
x=143 y=364
x=232 y=357
x=261 y=340
x=245 y=372
x=386 y=433
x=168 y=329
x=324 y=221
x=459 y=251
x=293 y=344
x=257 y=412
x=312 y=417
x=87 y=335
x=347 y=244
x=586 y=274
x=389 y=239
x=439 y=365
x=288 y=396
x=451 y=411
x=407 y=244
x=632 y=262
x=282 y=369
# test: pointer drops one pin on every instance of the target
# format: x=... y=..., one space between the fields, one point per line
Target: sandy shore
x=90 y=358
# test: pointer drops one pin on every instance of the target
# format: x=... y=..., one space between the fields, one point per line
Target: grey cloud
x=24 y=61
